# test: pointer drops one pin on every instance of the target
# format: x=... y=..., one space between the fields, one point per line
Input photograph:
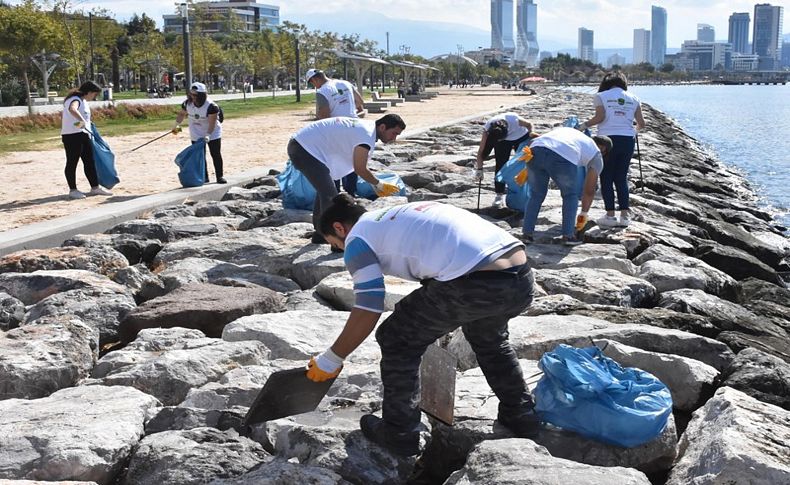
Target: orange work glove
x=383 y=189
x=526 y=155
x=581 y=221
x=324 y=366
x=521 y=178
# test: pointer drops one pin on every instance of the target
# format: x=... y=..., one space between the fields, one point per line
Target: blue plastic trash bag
x=192 y=164
x=584 y=391
x=365 y=190
x=104 y=160
x=573 y=122
x=297 y=191
x=517 y=195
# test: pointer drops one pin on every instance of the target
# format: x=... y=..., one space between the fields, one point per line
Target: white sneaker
x=607 y=221
x=99 y=190
x=624 y=221
x=76 y=194
x=499 y=201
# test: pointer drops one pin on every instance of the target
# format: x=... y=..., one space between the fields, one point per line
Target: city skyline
x=558 y=20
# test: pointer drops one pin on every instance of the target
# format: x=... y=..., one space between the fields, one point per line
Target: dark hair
x=84 y=89
x=391 y=121
x=344 y=209
x=612 y=80
x=603 y=140
x=498 y=130
x=199 y=98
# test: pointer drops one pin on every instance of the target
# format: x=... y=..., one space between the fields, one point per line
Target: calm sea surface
x=747 y=127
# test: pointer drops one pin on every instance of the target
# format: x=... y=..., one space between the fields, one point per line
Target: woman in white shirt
x=75 y=131
x=204 y=122
x=615 y=113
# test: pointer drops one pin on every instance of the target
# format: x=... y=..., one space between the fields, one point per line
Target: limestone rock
x=603 y=286
x=136 y=249
x=204 y=270
x=37 y=360
x=204 y=307
x=669 y=269
x=732 y=235
x=734 y=438
x=141 y=282
x=314 y=263
x=279 y=472
x=338 y=289
x=171 y=418
x=33 y=287
x=596 y=256
x=194 y=456
x=306 y=300
x=12 y=311
x=735 y=262
x=760 y=375
x=102 y=260
x=80 y=433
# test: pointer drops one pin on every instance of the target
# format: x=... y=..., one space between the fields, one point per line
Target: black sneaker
x=222 y=180
x=523 y=426
x=399 y=442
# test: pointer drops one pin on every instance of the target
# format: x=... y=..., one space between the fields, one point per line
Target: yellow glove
x=324 y=366
x=176 y=130
x=521 y=178
x=526 y=155
x=581 y=221
x=383 y=189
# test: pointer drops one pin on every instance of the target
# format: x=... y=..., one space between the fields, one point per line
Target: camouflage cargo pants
x=481 y=303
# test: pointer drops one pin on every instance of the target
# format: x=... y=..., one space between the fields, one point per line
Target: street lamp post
x=298 y=71
x=187 y=51
x=458 y=64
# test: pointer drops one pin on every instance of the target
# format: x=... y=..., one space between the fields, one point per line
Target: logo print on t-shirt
x=620 y=101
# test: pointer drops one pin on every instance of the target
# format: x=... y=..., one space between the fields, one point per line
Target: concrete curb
x=52 y=233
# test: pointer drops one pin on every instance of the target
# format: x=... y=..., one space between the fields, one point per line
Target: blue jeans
x=545 y=165
x=615 y=172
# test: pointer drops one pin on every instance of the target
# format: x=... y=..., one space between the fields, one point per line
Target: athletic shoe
x=607 y=221
x=76 y=194
x=99 y=190
x=222 y=180
x=624 y=221
x=524 y=426
x=499 y=201
x=571 y=241
x=527 y=238
x=402 y=443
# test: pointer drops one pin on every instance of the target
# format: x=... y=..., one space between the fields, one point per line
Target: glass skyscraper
x=767 y=36
x=658 y=35
x=586 y=49
x=706 y=33
x=641 y=46
x=502 y=26
x=739 y=32
x=527 y=50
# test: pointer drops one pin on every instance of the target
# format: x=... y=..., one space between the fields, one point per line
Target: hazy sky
x=558 y=20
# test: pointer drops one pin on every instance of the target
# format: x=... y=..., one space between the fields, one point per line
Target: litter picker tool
x=151 y=141
x=479 y=188
x=639 y=157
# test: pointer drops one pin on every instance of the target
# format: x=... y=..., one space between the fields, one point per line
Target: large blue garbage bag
x=517 y=195
x=192 y=164
x=297 y=191
x=104 y=159
x=583 y=391
x=365 y=190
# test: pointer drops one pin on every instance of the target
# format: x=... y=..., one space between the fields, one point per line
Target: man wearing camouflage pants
x=474 y=276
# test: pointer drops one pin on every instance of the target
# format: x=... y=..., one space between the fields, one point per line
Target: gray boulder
x=306 y=300
x=734 y=438
x=596 y=256
x=192 y=457
x=735 y=262
x=136 y=249
x=33 y=287
x=80 y=433
x=37 y=360
x=314 y=263
x=102 y=260
x=204 y=270
x=143 y=284
x=171 y=418
x=204 y=307
x=669 y=269
x=281 y=472
x=338 y=289
x=760 y=375
x=605 y=286
x=732 y=235
x=523 y=462
x=12 y=311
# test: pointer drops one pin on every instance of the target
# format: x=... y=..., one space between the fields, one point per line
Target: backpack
x=220 y=115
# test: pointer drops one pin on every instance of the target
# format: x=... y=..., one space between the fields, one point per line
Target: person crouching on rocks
x=615 y=112
x=329 y=149
x=502 y=133
x=76 y=132
x=203 y=115
x=477 y=283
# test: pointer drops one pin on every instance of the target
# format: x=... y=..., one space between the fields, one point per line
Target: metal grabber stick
x=151 y=141
x=479 y=188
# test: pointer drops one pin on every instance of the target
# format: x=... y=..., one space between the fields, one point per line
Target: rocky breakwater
x=132 y=356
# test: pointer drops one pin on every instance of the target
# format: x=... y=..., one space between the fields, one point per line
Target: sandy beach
x=35 y=189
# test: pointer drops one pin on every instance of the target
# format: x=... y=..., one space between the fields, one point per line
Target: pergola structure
x=410 y=68
x=360 y=60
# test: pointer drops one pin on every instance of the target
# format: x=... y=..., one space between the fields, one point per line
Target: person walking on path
x=336 y=97
x=478 y=283
x=503 y=133
x=329 y=149
x=557 y=155
x=75 y=132
x=615 y=112
x=204 y=122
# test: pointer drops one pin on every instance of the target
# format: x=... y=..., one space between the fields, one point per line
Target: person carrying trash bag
x=75 y=132
x=336 y=97
x=204 y=123
x=556 y=156
x=615 y=113
x=478 y=283
x=503 y=133
x=329 y=149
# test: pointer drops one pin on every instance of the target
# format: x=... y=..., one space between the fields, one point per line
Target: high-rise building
x=658 y=35
x=767 y=35
x=641 y=46
x=614 y=60
x=527 y=49
x=706 y=33
x=785 y=54
x=739 y=32
x=231 y=15
x=586 y=50
x=502 y=26
x=708 y=56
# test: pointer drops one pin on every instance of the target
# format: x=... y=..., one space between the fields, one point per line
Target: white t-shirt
x=68 y=120
x=332 y=141
x=572 y=145
x=198 y=120
x=514 y=129
x=422 y=240
x=620 y=107
x=340 y=96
